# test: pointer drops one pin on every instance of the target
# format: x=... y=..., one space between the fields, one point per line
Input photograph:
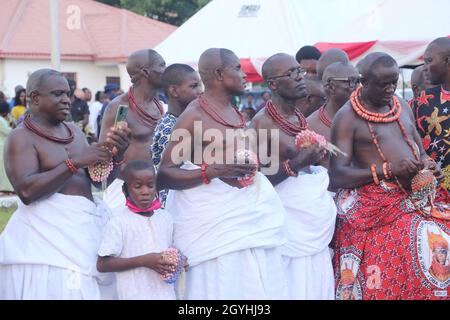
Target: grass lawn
x=5 y=214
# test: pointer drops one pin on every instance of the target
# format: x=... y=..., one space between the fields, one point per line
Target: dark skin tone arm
x=299 y=160
x=343 y=174
x=171 y=176
x=118 y=139
x=151 y=260
x=24 y=164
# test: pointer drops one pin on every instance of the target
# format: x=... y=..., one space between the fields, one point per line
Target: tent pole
x=56 y=54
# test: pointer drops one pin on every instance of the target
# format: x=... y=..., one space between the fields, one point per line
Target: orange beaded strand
x=373 y=169
x=382 y=118
x=388 y=117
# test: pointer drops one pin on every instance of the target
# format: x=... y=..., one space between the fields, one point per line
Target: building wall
x=89 y=74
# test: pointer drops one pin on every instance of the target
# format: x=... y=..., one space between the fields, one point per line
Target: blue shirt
x=161 y=137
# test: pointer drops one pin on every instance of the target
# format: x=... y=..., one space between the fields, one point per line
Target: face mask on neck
x=155 y=205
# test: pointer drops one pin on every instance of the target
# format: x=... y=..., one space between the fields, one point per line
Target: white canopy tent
x=256 y=29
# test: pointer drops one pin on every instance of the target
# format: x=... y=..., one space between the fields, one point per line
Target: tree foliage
x=175 y=12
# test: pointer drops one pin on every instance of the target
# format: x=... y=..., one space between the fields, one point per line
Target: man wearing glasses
x=301 y=186
x=339 y=80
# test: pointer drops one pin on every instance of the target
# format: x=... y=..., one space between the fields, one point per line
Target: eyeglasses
x=441 y=250
x=352 y=82
x=296 y=74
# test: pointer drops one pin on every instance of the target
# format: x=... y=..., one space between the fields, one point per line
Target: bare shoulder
x=314 y=120
x=261 y=120
x=20 y=136
x=193 y=112
x=345 y=115
x=77 y=133
x=113 y=105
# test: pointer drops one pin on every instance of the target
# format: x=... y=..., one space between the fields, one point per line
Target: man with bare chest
x=145 y=68
x=388 y=205
x=48 y=249
x=228 y=219
x=339 y=80
x=301 y=186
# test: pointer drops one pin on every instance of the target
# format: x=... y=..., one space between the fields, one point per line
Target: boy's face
x=141 y=187
x=189 y=89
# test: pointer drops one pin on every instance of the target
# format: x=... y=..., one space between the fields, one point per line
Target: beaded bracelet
x=389 y=169
x=205 y=178
x=373 y=169
x=387 y=173
x=287 y=168
x=70 y=165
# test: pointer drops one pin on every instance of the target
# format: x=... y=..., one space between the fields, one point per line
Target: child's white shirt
x=129 y=235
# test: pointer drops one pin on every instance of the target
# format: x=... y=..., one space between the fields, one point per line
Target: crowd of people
x=331 y=187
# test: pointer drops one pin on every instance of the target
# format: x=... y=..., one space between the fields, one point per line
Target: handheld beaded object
x=248 y=157
x=424 y=188
x=308 y=137
x=175 y=257
x=100 y=172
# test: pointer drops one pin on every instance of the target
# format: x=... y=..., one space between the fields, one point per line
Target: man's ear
x=415 y=89
x=329 y=86
x=272 y=85
x=146 y=72
x=34 y=98
x=218 y=73
x=172 y=91
x=364 y=81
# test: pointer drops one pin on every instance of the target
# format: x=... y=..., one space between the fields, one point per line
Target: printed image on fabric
x=345 y=202
x=348 y=287
x=432 y=253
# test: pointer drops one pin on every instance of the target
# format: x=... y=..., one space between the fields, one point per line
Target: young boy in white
x=135 y=237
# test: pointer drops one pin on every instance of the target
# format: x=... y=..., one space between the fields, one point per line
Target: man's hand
x=93 y=154
x=307 y=156
x=156 y=262
x=406 y=168
x=230 y=170
x=430 y=164
x=118 y=138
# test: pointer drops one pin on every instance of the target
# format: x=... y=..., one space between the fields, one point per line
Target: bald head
x=328 y=57
x=273 y=66
x=442 y=43
x=38 y=78
x=146 y=58
x=437 y=61
x=213 y=59
x=373 y=60
x=339 y=70
x=142 y=58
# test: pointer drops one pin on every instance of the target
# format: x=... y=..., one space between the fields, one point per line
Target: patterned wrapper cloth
x=392 y=245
